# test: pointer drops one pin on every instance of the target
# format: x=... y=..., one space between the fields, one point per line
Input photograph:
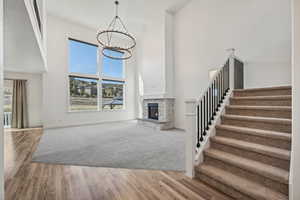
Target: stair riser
x=263 y=180
x=222 y=187
x=261 y=102
x=260 y=113
x=274 y=126
x=270 y=160
x=262 y=93
x=284 y=144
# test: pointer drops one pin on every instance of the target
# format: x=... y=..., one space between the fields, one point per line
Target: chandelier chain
x=117 y=8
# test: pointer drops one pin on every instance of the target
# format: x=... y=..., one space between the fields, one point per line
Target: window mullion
x=108 y=78
x=87 y=76
x=100 y=99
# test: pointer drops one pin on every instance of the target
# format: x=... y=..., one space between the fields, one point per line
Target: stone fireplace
x=158 y=113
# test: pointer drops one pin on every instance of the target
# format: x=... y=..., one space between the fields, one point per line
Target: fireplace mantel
x=157 y=96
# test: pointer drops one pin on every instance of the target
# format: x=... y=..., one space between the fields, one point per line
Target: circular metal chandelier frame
x=107 y=43
x=102 y=43
x=123 y=51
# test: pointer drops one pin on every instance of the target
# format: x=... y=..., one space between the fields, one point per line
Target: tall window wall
x=95 y=82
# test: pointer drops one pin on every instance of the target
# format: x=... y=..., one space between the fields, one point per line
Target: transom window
x=95 y=82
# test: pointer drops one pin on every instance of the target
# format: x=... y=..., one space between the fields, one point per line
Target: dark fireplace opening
x=153 y=111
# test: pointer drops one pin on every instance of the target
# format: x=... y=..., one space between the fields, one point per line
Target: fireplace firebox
x=153 y=111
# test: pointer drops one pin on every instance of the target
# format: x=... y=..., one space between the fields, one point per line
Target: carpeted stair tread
x=256 y=132
x=249 y=156
x=277 y=97
x=262 y=169
x=252 y=189
x=279 y=112
x=264 y=89
x=263 y=100
x=258 y=148
x=259 y=119
x=268 y=91
x=280 y=108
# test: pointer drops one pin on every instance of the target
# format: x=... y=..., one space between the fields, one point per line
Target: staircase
x=249 y=157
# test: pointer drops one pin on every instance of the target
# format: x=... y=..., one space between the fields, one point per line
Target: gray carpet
x=114 y=145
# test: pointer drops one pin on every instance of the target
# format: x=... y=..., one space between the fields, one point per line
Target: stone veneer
x=165 y=113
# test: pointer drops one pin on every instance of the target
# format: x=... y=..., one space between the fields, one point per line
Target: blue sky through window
x=111 y=67
x=82 y=58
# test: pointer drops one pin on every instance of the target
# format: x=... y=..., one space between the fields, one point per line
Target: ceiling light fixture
x=116 y=38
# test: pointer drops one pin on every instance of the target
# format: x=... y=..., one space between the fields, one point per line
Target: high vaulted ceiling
x=98 y=13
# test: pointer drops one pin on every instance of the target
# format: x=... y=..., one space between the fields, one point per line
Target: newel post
x=231 y=68
x=191 y=137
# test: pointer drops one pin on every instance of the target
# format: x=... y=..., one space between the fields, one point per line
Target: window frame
x=99 y=76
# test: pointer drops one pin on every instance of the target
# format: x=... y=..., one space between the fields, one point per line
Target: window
x=83 y=57
x=112 y=94
x=112 y=68
x=85 y=81
x=83 y=76
x=8 y=91
x=112 y=82
x=8 y=95
x=83 y=93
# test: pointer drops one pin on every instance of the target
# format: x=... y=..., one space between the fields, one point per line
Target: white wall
x=204 y=29
x=169 y=54
x=277 y=73
x=151 y=56
x=295 y=163
x=55 y=86
x=22 y=52
x=155 y=57
x=1 y=105
x=155 y=51
x=34 y=95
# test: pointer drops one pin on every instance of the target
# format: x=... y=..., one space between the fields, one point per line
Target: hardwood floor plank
x=26 y=180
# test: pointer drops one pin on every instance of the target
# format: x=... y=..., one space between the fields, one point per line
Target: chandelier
x=116 y=42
